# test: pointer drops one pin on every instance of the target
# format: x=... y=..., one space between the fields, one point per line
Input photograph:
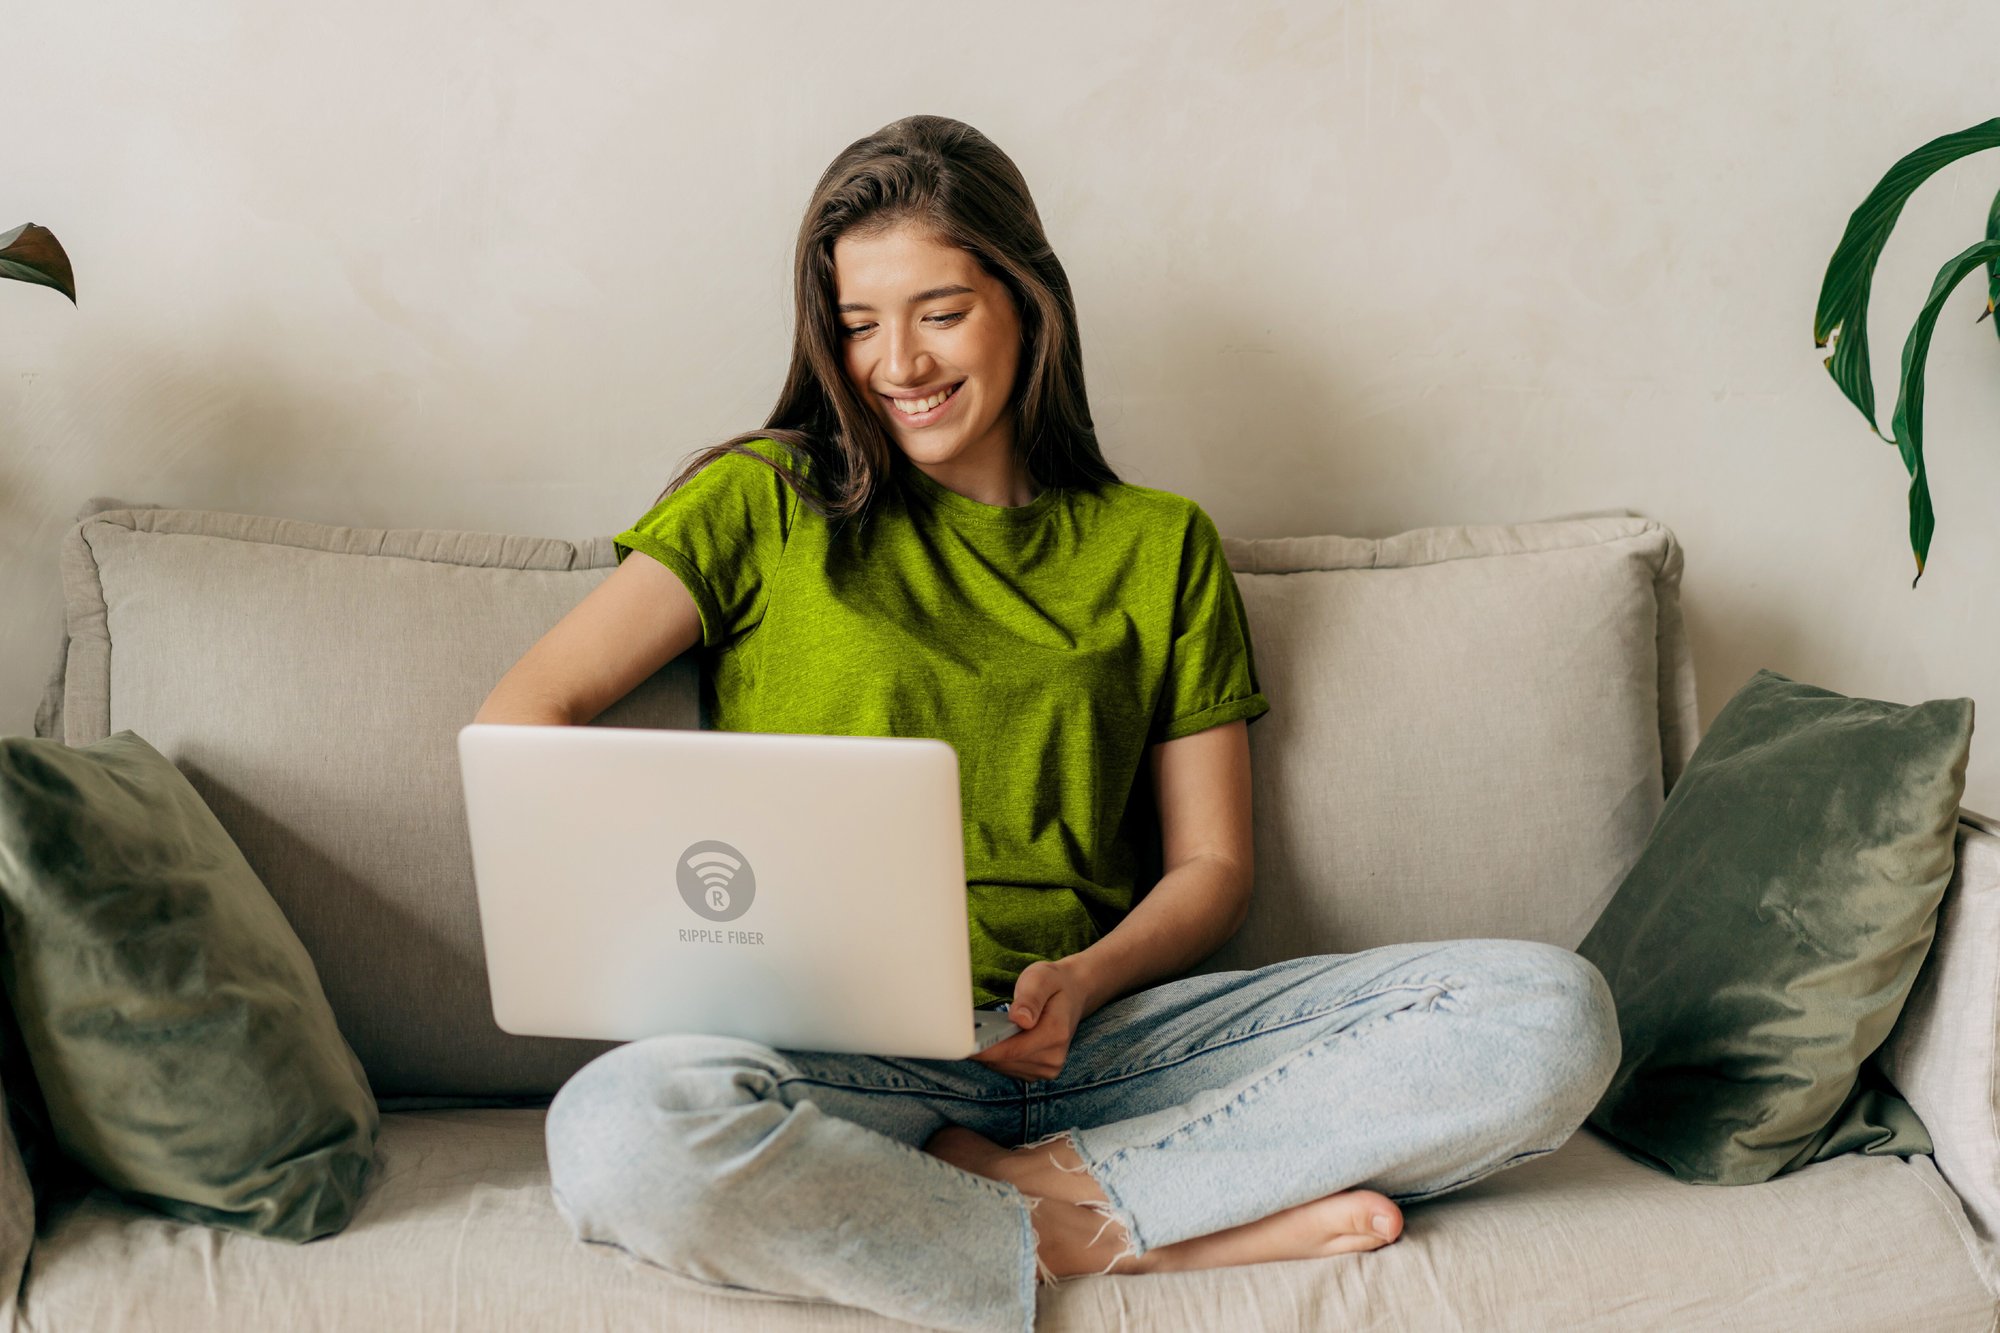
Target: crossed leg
x=1203 y=1094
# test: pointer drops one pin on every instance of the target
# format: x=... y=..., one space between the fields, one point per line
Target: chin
x=936 y=448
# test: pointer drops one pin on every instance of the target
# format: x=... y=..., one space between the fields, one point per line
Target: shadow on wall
x=1732 y=643
x=1367 y=471
x=1275 y=440
x=222 y=430
x=1236 y=388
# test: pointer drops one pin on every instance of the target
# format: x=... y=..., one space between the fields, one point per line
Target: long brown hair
x=950 y=180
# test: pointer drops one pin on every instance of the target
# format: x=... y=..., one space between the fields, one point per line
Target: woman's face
x=920 y=318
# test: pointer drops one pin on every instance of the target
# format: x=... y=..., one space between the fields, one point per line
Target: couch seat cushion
x=458 y=1231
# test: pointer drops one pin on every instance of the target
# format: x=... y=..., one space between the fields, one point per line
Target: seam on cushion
x=1244 y=553
x=1680 y=726
x=101 y=611
x=1953 y=1208
x=1677 y=705
x=1946 y=946
x=265 y=530
x=391 y=543
x=48 y=722
x=1989 y=1054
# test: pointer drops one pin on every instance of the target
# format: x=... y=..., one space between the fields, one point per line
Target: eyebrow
x=931 y=295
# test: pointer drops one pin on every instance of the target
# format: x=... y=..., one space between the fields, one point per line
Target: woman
x=945 y=552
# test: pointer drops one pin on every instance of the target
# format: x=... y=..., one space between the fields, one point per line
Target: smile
x=922 y=411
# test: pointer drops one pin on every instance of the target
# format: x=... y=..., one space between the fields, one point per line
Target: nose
x=904 y=362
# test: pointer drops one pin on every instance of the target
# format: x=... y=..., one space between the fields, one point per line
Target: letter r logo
x=715 y=880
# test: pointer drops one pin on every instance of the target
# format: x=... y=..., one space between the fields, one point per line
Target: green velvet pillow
x=176 y=1027
x=1764 y=942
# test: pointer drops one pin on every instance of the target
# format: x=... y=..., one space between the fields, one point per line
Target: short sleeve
x=723 y=533
x=1211 y=674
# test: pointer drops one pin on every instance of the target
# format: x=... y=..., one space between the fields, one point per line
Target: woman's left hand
x=1049 y=1001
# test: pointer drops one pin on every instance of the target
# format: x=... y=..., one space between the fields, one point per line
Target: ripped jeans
x=1196 y=1105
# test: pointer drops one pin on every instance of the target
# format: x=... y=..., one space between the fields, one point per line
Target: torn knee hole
x=1061 y=1136
x=1129 y=1249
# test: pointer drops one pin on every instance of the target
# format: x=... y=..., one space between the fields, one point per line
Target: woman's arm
x=631 y=624
x=1202 y=783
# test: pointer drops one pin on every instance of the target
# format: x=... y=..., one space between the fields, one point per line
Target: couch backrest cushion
x=310 y=682
x=1470 y=734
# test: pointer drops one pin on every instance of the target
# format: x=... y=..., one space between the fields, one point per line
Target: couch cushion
x=310 y=682
x=1471 y=733
x=1472 y=729
x=1944 y=1054
x=178 y=1031
x=459 y=1231
x=17 y=1213
x=1763 y=946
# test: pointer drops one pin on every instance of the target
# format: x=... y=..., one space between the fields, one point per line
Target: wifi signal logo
x=716 y=880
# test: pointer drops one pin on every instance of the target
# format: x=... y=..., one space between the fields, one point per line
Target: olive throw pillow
x=1764 y=941
x=176 y=1027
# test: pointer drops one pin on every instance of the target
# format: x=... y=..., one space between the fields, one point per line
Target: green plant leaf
x=1992 y=265
x=1908 y=422
x=33 y=254
x=1842 y=316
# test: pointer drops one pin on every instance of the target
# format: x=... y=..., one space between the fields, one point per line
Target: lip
x=925 y=418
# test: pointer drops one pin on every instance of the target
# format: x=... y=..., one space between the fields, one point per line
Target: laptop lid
x=807 y=892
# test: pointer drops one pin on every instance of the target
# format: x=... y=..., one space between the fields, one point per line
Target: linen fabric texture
x=176 y=1027
x=1765 y=941
x=1048 y=643
x=1584 y=1240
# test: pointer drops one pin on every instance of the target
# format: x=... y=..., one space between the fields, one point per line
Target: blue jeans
x=1196 y=1105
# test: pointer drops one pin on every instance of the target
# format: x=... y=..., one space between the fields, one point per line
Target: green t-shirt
x=1048 y=643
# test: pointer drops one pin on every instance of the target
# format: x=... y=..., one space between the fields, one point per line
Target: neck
x=1002 y=480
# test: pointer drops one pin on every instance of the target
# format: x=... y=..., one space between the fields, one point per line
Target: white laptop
x=807 y=892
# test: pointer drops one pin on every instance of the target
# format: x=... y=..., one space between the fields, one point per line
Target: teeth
x=911 y=407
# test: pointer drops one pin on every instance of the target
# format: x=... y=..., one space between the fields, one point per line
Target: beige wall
x=1341 y=268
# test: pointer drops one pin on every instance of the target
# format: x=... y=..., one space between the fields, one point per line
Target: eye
x=944 y=321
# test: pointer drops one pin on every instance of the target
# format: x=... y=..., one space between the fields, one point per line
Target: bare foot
x=1074 y=1236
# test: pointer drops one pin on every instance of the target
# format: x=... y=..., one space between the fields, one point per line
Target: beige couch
x=1472 y=730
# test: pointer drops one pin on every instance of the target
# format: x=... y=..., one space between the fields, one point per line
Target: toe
x=1367 y=1215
